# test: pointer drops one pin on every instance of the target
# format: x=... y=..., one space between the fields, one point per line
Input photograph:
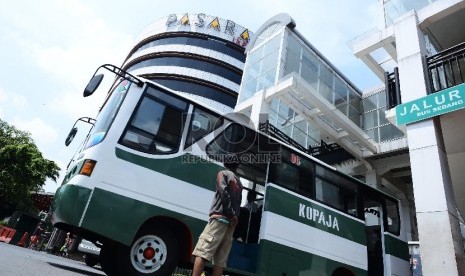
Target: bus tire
x=91 y=260
x=154 y=252
x=107 y=259
x=342 y=271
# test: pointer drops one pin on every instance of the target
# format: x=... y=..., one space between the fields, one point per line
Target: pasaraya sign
x=208 y=24
x=445 y=101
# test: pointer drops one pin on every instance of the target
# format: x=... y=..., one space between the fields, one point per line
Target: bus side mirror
x=71 y=135
x=93 y=85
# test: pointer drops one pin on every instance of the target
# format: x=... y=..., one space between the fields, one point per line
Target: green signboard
x=439 y=103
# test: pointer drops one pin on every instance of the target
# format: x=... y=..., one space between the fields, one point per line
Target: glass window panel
x=255 y=56
x=370 y=119
x=274 y=104
x=343 y=108
x=269 y=78
x=299 y=136
x=338 y=101
x=335 y=196
x=326 y=83
x=389 y=132
x=314 y=138
x=326 y=76
x=202 y=124
x=149 y=116
x=355 y=102
x=353 y=111
x=370 y=103
x=293 y=46
x=382 y=99
x=340 y=88
x=382 y=118
x=326 y=92
x=357 y=119
x=287 y=129
x=373 y=133
x=272 y=45
x=309 y=71
x=284 y=110
x=155 y=128
x=292 y=63
x=249 y=89
x=269 y=61
x=253 y=71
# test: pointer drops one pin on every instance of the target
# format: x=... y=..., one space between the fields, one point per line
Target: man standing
x=216 y=239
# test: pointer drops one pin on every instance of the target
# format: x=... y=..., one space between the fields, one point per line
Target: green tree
x=23 y=169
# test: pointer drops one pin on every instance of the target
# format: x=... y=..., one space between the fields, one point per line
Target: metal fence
x=447 y=68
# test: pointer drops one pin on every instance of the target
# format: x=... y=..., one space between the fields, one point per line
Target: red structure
x=42 y=201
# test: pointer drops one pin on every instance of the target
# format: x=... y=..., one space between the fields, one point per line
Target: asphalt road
x=18 y=261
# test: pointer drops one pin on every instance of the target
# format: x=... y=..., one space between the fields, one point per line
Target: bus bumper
x=69 y=204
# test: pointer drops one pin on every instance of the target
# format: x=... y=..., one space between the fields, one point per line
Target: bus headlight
x=88 y=167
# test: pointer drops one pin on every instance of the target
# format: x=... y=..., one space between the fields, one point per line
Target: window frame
x=219 y=123
x=163 y=101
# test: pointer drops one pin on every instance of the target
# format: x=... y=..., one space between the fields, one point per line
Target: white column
x=260 y=109
x=438 y=228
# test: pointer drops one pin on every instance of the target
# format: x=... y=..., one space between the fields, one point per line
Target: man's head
x=231 y=162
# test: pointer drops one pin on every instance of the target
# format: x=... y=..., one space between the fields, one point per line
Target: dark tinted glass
x=200 y=90
x=208 y=43
x=216 y=69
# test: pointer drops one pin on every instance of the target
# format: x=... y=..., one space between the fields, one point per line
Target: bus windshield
x=108 y=114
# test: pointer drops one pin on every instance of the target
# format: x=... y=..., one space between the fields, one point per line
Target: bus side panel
x=69 y=204
x=277 y=259
x=323 y=239
x=119 y=218
x=396 y=256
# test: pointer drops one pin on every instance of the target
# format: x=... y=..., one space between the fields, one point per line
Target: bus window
x=155 y=127
x=202 y=124
x=335 y=190
x=250 y=147
x=286 y=175
x=392 y=213
x=295 y=173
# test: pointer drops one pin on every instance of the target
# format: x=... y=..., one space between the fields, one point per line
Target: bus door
x=374 y=228
x=244 y=251
x=253 y=151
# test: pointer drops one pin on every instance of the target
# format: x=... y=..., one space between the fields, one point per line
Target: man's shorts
x=215 y=243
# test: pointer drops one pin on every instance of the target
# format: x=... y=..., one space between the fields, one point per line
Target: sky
x=49 y=50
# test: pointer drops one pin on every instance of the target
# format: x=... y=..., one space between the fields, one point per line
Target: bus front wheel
x=107 y=259
x=154 y=252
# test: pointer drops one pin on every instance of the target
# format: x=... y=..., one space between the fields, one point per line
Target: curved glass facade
x=194 y=53
x=279 y=53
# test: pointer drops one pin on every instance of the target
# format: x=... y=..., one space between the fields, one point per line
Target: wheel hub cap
x=149 y=253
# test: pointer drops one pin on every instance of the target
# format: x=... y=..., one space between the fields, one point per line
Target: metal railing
x=447 y=68
x=392 y=88
x=329 y=153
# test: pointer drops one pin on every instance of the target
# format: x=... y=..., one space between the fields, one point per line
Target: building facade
x=199 y=54
x=403 y=137
x=423 y=40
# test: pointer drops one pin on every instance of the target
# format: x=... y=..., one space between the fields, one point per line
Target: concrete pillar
x=372 y=179
x=438 y=227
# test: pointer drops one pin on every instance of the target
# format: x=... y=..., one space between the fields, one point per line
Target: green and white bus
x=143 y=181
